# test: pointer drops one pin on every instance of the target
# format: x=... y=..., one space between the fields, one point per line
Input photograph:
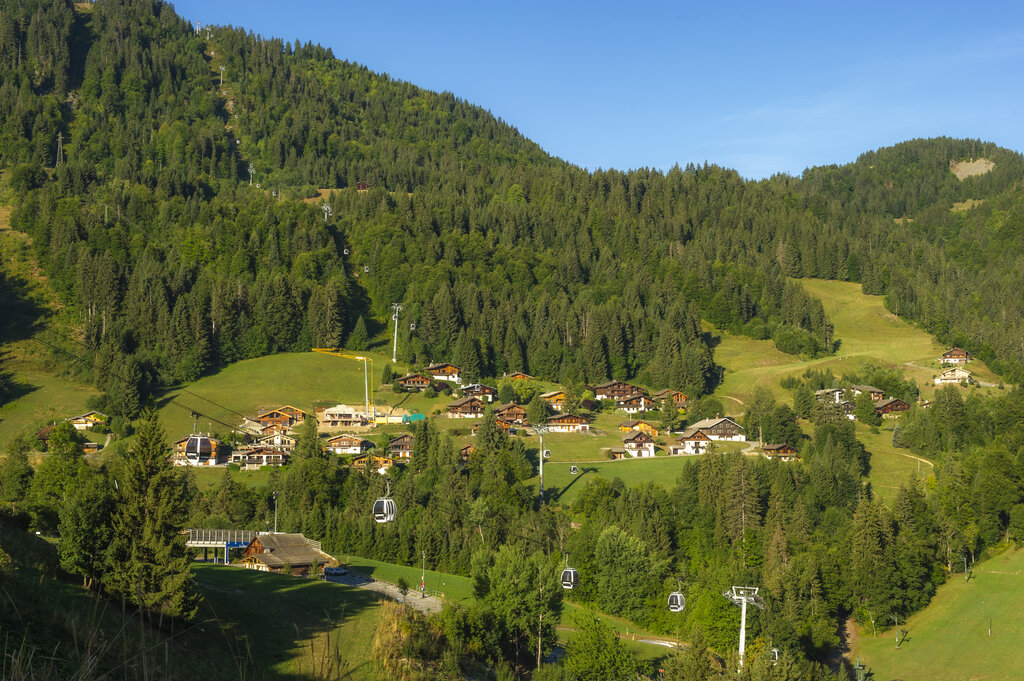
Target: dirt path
x=429 y=604
x=663 y=642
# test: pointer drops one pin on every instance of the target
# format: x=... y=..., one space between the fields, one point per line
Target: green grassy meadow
x=949 y=640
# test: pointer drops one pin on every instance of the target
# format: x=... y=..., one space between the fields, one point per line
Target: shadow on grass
x=556 y=493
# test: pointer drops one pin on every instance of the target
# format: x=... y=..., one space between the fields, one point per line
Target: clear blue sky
x=762 y=87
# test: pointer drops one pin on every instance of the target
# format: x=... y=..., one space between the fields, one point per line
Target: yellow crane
x=367 y=373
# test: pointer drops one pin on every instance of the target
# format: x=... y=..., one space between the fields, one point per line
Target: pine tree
x=84 y=528
x=148 y=564
x=358 y=339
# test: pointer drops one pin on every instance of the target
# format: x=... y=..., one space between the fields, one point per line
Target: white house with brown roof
x=953 y=376
x=445 y=372
x=568 y=423
x=349 y=444
x=638 y=443
x=955 y=356
x=466 y=408
x=692 y=441
x=722 y=429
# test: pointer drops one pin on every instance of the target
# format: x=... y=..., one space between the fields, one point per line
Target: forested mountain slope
x=178 y=259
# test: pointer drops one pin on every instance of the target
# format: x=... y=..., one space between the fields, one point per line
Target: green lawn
x=43 y=398
x=286 y=627
x=454 y=587
x=562 y=487
x=890 y=466
x=949 y=640
x=867 y=333
x=298 y=379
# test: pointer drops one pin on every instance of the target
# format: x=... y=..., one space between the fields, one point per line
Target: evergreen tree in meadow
x=148 y=564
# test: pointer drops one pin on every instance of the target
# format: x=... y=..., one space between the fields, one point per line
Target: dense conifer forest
x=177 y=217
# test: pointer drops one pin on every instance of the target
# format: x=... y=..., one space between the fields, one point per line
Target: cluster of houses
x=884 y=407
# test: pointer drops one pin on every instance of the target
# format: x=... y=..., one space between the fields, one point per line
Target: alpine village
x=310 y=373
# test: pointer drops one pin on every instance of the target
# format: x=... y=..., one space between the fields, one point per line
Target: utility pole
x=252 y=169
x=395 y=308
x=328 y=211
x=741 y=595
x=222 y=76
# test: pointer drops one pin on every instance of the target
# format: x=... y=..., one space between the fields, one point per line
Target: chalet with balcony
x=401 y=446
x=568 y=423
x=413 y=382
x=343 y=416
x=616 y=390
x=466 y=408
x=283 y=417
x=555 y=398
x=953 y=376
x=511 y=412
x=349 y=444
x=485 y=392
x=829 y=395
x=635 y=404
x=678 y=398
x=955 y=356
x=254 y=458
x=692 y=441
x=285 y=443
x=373 y=462
x=638 y=443
x=891 y=407
x=445 y=372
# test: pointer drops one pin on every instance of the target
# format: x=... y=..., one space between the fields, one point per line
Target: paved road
x=430 y=604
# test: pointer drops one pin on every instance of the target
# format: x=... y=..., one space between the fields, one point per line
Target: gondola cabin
x=570 y=578
x=384 y=510
x=676 y=602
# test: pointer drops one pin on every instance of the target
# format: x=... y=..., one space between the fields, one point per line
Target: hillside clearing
x=949 y=640
x=965 y=169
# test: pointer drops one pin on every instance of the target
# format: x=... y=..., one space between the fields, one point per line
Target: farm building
x=722 y=428
x=281 y=552
x=781 y=452
x=645 y=426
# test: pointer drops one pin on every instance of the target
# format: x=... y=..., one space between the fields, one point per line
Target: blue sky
x=759 y=87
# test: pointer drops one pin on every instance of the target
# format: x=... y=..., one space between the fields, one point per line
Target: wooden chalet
x=344 y=416
x=401 y=446
x=89 y=420
x=374 y=462
x=91 y=447
x=485 y=392
x=520 y=376
x=555 y=398
x=644 y=426
x=829 y=394
x=722 y=428
x=638 y=443
x=445 y=372
x=953 y=376
x=465 y=452
x=349 y=444
x=280 y=441
x=875 y=394
x=286 y=416
x=274 y=552
x=511 y=412
x=466 y=408
x=692 y=441
x=250 y=459
x=677 y=397
x=616 y=390
x=43 y=435
x=413 y=382
x=196 y=450
x=618 y=452
x=636 y=404
x=568 y=423
x=891 y=407
x=847 y=406
x=504 y=424
x=781 y=452
x=955 y=356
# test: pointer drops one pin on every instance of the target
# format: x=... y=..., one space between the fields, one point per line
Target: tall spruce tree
x=148 y=563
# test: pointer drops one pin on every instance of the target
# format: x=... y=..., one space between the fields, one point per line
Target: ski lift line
x=184 y=390
x=172 y=401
